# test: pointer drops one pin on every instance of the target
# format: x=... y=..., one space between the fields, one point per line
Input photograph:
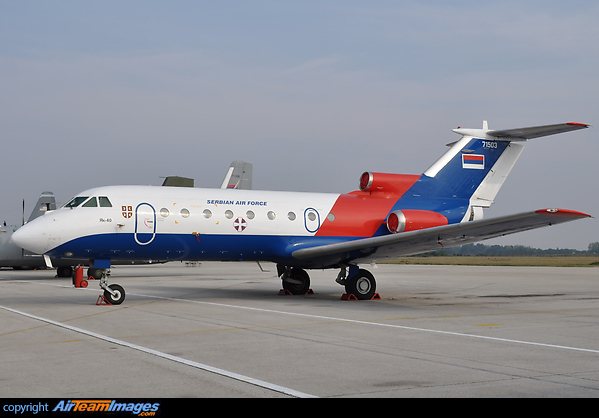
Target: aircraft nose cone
x=29 y=238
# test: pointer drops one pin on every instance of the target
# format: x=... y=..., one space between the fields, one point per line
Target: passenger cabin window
x=104 y=202
x=76 y=201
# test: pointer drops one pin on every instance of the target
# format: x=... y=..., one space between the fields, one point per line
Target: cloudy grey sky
x=313 y=93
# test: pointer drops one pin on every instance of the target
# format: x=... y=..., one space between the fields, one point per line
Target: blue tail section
x=467 y=178
x=469 y=166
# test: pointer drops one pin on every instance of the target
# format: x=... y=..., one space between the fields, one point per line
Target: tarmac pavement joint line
x=232 y=375
x=355 y=321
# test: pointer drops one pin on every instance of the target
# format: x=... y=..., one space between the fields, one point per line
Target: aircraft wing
x=367 y=250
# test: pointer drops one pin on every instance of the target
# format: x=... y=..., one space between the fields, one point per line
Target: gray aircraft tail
x=239 y=176
x=45 y=203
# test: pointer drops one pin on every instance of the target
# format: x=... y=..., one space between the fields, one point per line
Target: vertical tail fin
x=476 y=166
x=45 y=203
x=239 y=176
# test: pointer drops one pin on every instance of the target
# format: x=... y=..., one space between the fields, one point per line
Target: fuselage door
x=311 y=220
x=145 y=223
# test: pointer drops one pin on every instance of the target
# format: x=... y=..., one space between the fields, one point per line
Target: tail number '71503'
x=489 y=144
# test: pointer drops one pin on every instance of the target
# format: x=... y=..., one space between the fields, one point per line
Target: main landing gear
x=295 y=280
x=359 y=282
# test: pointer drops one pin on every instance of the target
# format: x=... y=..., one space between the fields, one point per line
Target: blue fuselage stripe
x=171 y=247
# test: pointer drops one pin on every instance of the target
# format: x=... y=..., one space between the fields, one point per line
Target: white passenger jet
x=390 y=216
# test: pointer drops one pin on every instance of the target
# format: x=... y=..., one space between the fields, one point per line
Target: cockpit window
x=76 y=201
x=91 y=203
x=104 y=202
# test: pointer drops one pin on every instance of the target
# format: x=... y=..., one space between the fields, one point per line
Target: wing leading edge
x=373 y=249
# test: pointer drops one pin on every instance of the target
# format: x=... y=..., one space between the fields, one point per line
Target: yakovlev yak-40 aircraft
x=392 y=215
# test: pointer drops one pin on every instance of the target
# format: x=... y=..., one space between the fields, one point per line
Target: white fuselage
x=132 y=218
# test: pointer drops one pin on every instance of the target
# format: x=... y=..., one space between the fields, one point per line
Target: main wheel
x=362 y=286
x=64 y=271
x=95 y=273
x=300 y=284
x=119 y=294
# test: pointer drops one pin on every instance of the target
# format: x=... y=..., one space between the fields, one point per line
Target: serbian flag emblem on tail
x=473 y=161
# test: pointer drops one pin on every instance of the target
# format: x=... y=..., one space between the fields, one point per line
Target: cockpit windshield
x=76 y=201
x=104 y=202
x=91 y=203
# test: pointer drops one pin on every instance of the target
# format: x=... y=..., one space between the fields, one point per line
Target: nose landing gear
x=114 y=294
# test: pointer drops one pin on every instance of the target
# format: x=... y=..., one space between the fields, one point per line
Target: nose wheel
x=114 y=293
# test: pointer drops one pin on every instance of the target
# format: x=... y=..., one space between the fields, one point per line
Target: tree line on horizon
x=512 y=250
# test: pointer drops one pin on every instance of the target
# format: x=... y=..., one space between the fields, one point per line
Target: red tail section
x=361 y=213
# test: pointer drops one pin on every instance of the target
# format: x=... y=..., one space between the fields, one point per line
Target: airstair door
x=145 y=224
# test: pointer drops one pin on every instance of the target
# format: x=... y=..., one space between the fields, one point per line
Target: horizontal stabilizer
x=520 y=134
x=523 y=134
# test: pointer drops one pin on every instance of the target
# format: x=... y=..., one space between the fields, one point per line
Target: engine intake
x=413 y=219
x=386 y=183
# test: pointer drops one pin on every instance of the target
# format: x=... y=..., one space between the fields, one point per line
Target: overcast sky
x=313 y=93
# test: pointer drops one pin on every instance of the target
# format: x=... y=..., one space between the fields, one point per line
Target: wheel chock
x=351 y=296
x=102 y=301
x=285 y=292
